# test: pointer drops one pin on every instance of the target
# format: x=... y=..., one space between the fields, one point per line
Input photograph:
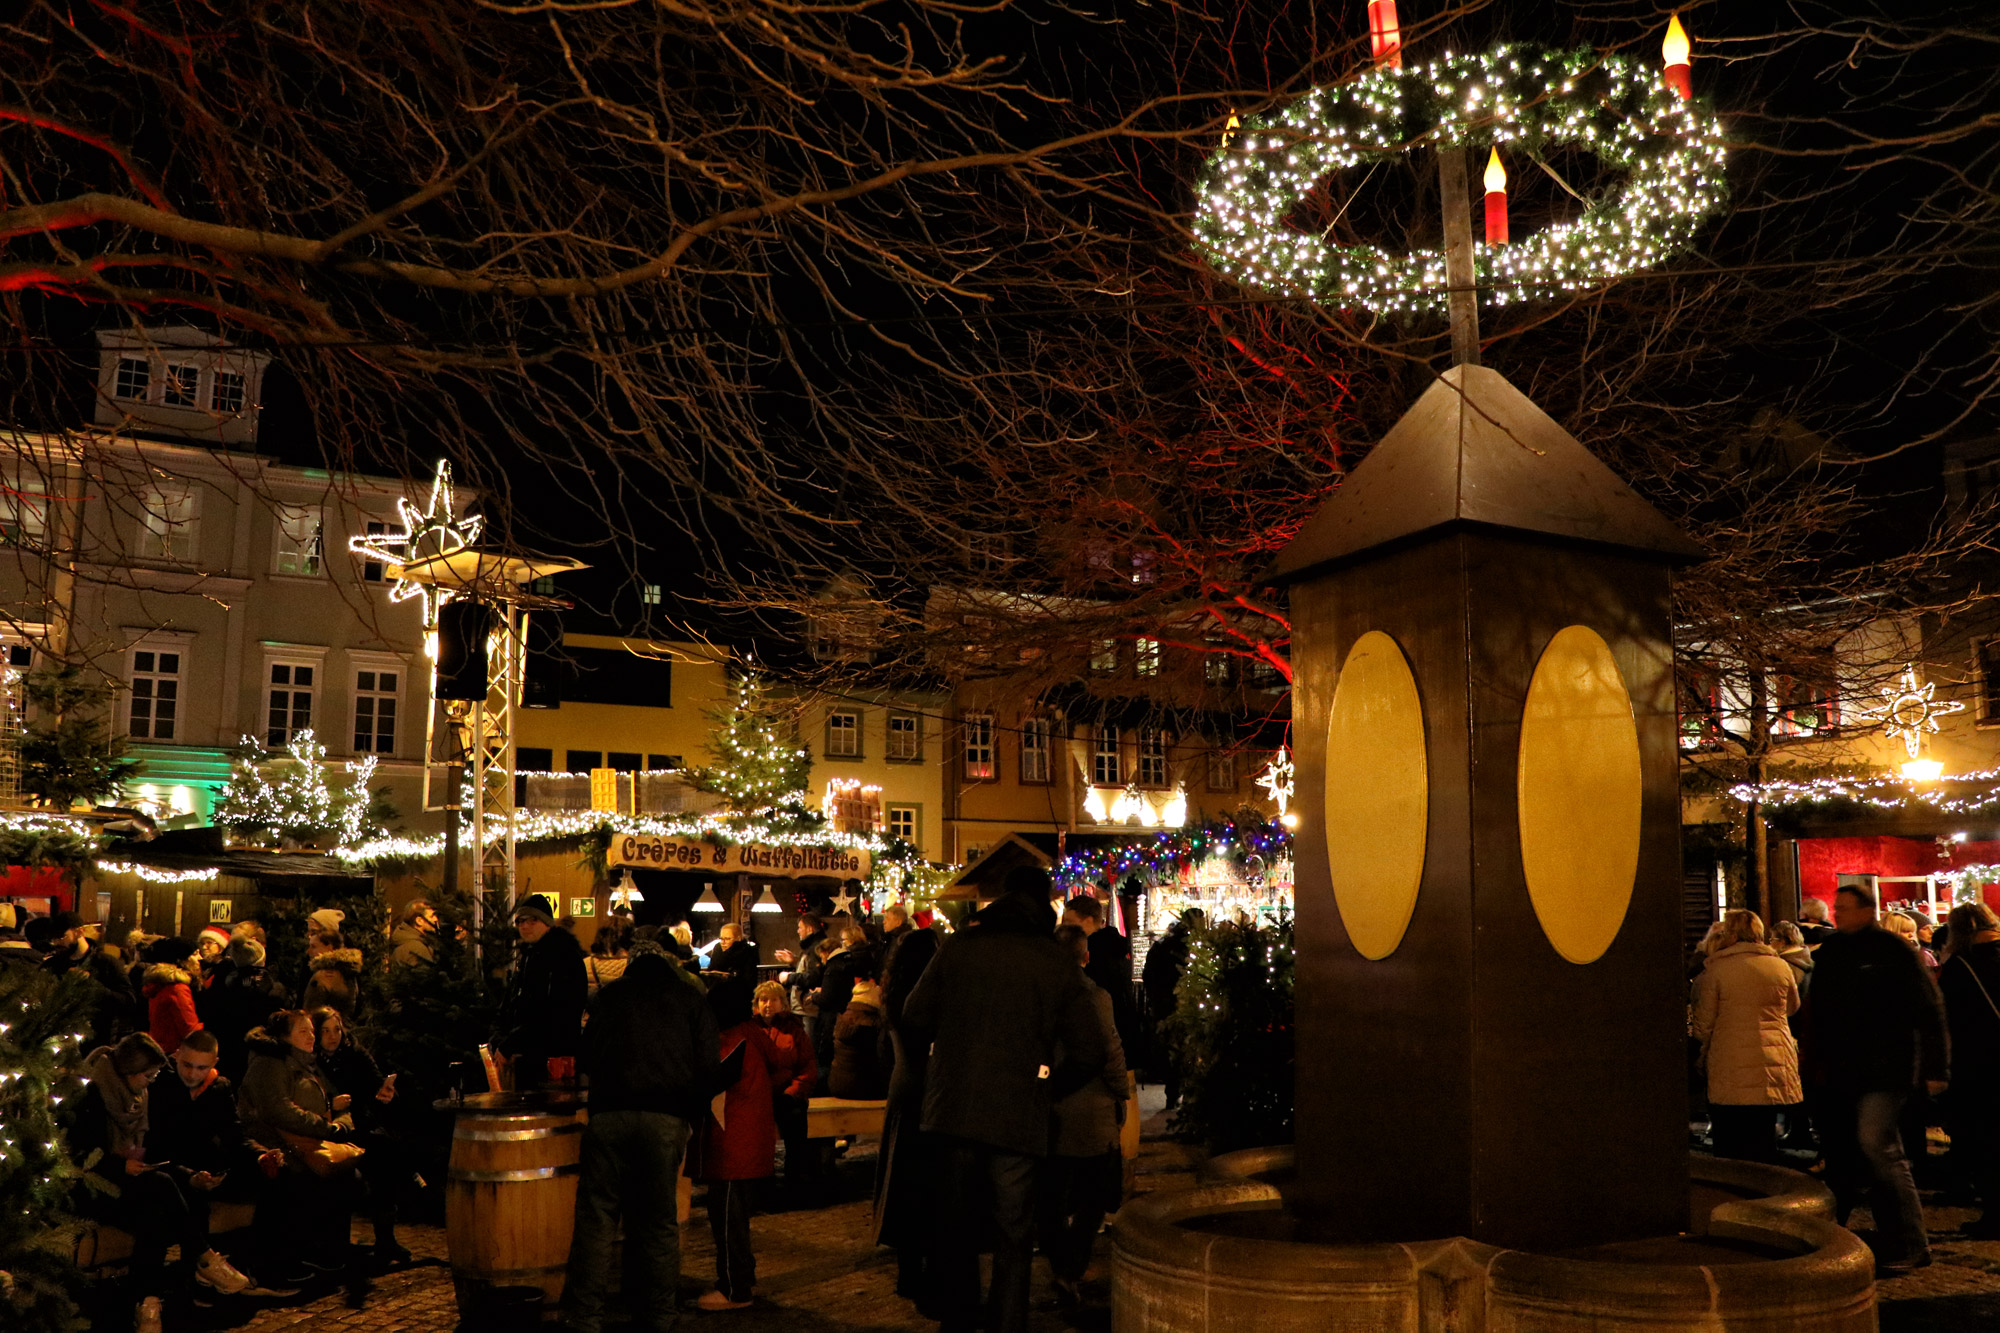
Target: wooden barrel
x=510 y=1197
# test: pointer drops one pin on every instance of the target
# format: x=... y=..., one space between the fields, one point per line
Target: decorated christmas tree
x=290 y=797
x=67 y=753
x=41 y=1022
x=760 y=769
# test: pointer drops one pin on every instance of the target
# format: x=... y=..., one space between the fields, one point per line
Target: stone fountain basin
x=1761 y=1253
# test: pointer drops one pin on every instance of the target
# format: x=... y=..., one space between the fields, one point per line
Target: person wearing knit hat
x=326 y=921
x=544 y=1013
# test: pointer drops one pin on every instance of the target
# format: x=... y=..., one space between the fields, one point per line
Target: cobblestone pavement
x=817 y=1273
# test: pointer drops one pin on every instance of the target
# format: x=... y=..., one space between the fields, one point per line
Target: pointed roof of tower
x=1476 y=451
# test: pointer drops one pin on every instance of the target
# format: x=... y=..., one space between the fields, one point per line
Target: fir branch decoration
x=1231 y=1035
x=42 y=1020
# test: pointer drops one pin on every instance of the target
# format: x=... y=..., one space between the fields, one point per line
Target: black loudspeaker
x=463 y=627
x=541 y=683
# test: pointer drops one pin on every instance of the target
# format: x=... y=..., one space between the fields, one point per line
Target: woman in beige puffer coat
x=1742 y=1001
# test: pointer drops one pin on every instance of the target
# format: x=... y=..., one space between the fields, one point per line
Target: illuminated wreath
x=1670 y=149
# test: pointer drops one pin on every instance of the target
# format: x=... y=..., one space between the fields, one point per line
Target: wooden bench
x=843 y=1118
x=98 y=1245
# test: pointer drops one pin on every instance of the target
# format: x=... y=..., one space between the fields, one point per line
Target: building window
x=1103 y=657
x=975 y=852
x=1700 y=708
x=582 y=761
x=181 y=385
x=1218 y=668
x=134 y=378
x=1146 y=657
x=906 y=737
x=1221 y=770
x=623 y=761
x=544 y=586
x=843 y=735
x=979 y=765
x=663 y=763
x=1104 y=766
x=533 y=759
x=167 y=522
x=1152 y=757
x=1989 y=682
x=903 y=821
x=226 y=392
x=298 y=540
x=1034 y=749
x=156 y=695
x=652 y=594
x=1810 y=709
x=24 y=513
x=1265 y=677
x=291 y=700
x=371 y=570
x=375 y=694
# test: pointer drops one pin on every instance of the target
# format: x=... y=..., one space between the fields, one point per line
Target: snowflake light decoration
x=1277 y=779
x=1670 y=149
x=1910 y=711
x=436 y=528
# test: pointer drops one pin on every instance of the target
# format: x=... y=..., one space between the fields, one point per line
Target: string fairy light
x=1670 y=148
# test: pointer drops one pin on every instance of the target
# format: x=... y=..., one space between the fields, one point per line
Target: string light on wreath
x=1526 y=100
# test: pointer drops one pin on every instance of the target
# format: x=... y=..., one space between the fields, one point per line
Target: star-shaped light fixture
x=1277 y=780
x=843 y=902
x=1910 y=710
x=432 y=530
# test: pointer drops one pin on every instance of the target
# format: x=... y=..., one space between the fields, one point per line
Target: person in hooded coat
x=287 y=1099
x=1011 y=1030
x=333 y=976
x=733 y=1151
x=1744 y=1000
x=168 y=989
x=544 y=1015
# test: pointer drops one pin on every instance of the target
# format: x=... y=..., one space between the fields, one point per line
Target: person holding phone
x=151 y=1201
x=385 y=1166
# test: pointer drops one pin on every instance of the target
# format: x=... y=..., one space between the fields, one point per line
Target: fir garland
x=1670 y=149
x=1162 y=858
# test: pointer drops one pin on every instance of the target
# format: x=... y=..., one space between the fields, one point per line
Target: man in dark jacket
x=1165 y=962
x=241 y=998
x=650 y=1053
x=1877 y=1034
x=1110 y=965
x=732 y=968
x=803 y=979
x=545 y=1009
x=996 y=1005
x=115 y=1012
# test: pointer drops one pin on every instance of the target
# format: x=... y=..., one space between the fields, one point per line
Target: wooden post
x=1456 y=200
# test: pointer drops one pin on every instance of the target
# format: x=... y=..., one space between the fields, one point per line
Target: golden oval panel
x=1377 y=794
x=1578 y=794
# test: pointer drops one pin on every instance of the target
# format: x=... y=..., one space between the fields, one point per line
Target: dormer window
x=226 y=393
x=182 y=385
x=135 y=378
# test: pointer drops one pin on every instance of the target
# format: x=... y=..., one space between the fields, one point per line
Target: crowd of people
x=1858 y=1034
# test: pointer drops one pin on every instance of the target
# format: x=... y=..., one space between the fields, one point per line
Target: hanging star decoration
x=432 y=530
x=1277 y=779
x=1910 y=711
x=843 y=902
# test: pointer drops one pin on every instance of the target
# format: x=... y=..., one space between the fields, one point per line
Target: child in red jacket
x=736 y=1148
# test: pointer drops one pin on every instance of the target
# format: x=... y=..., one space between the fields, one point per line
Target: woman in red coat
x=733 y=1151
x=169 y=991
x=792 y=1087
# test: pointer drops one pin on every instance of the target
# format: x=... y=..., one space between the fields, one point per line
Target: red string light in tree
x=1676 y=49
x=1385 y=36
x=1496 y=200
